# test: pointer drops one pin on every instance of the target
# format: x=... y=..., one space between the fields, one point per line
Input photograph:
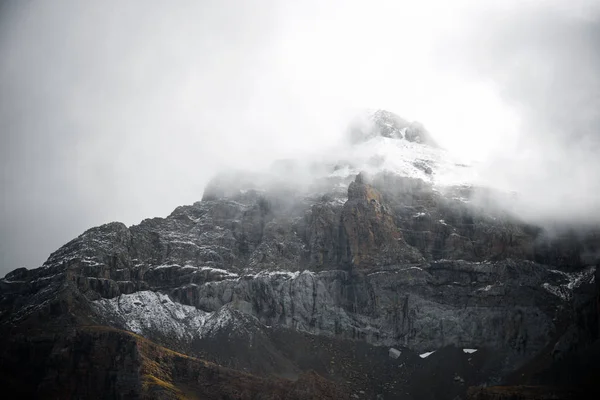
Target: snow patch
x=150 y=311
x=573 y=281
x=469 y=351
x=166 y=266
x=425 y=355
x=395 y=271
x=218 y=271
x=217 y=321
x=147 y=313
x=286 y=274
x=558 y=291
x=91 y=262
x=402 y=157
x=43 y=278
x=576 y=279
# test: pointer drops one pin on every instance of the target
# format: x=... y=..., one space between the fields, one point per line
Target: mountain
x=376 y=271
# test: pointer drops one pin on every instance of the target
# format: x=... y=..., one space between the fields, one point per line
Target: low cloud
x=122 y=111
x=543 y=60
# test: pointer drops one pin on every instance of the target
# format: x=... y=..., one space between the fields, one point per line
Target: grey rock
x=394 y=353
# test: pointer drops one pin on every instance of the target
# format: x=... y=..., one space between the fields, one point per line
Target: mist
x=544 y=63
x=124 y=110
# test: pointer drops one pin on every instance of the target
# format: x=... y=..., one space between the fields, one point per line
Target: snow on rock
x=273 y=274
x=218 y=271
x=425 y=355
x=166 y=266
x=222 y=273
x=571 y=281
x=226 y=318
x=217 y=321
x=558 y=291
x=576 y=279
x=405 y=158
x=469 y=351
x=148 y=313
x=279 y=274
x=153 y=312
x=43 y=278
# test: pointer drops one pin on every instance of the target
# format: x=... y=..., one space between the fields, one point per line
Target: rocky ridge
x=392 y=256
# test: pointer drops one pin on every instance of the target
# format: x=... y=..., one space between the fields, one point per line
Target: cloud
x=114 y=111
x=122 y=111
x=543 y=60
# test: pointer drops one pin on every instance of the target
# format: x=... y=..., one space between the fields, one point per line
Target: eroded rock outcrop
x=369 y=235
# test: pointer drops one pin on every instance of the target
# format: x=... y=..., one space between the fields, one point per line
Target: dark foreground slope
x=99 y=362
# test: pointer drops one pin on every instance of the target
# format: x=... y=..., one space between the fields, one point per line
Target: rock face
x=278 y=281
x=369 y=235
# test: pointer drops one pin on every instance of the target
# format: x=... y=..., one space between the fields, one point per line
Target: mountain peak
x=387 y=124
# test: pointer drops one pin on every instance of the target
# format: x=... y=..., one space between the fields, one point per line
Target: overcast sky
x=114 y=110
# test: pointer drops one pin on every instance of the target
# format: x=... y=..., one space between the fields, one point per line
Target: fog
x=124 y=110
x=544 y=63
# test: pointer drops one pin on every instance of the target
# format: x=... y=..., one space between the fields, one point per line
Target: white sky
x=114 y=110
x=386 y=54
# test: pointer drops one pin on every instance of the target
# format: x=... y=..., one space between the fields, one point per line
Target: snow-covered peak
x=404 y=158
x=380 y=142
x=383 y=123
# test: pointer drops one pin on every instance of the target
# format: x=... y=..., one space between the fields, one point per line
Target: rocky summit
x=379 y=272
